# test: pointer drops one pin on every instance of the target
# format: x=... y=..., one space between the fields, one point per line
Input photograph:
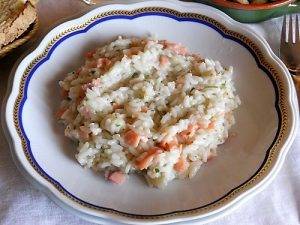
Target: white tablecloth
x=278 y=204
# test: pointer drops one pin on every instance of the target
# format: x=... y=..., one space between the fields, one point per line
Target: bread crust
x=10 y=10
x=19 y=25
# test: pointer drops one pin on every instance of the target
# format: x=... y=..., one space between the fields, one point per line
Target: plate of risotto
x=150 y=113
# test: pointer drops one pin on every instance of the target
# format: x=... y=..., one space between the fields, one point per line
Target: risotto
x=147 y=106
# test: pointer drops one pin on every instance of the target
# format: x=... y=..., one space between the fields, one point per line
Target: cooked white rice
x=143 y=105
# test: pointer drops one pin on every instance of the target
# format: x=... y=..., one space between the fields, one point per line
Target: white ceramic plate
x=265 y=122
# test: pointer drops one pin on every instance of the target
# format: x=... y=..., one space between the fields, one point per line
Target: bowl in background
x=253 y=13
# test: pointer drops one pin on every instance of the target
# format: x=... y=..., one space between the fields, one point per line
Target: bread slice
x=15 y=19
x=10 y=10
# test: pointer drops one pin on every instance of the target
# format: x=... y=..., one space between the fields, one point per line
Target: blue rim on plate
x=280 y=105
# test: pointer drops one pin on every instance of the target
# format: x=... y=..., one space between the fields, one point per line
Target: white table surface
x=277 y=204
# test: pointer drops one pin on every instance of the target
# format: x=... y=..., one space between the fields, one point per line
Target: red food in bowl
x=252 y=6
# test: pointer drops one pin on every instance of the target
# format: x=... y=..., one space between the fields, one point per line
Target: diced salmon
x=201 y=126
x=79 y=99
x=189 y=132
x=130 y=120
x=182 y=51
x=199 y=87
x=78 y=70
x=85 y=129
x=117 y=177
x=86 y=112
x=145 y=162
x=177 y=48
x=170 y=145
x=132 y=51
x=135 y=50
x=163 y=60
x=85 y=71
x=149 y=42
x=144 y=109
x=89 y=54
x=91 y=64
x=104 y=63
x=211 y=125
x=184 y=135
x=96 y=82
x=100 y=63
x=60 y=112
x=135 y=42
x=154 y=150
x=192 y=128
x=142 y=155
x=86 y=86
x=93 y=83
x=64 y=93
x=181 y=138
x=117 y=106
x=146 y=158
x=83 y=133
x=163 y=42
x=81 y=92
x=80 y=96
x=131 y=138
x=140 y=150
x=181 y=165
